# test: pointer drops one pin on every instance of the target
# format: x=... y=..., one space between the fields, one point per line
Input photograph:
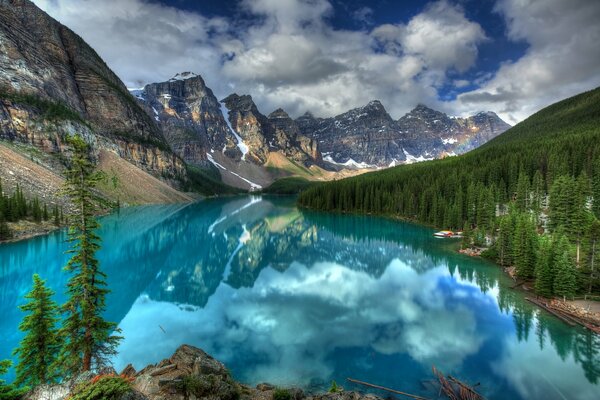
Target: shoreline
x=568 y=311
x=190 y=373
x=24 y=230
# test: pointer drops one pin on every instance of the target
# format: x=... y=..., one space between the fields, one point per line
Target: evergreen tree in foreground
x=39 y=348
x=9 y=392
x=89 y=338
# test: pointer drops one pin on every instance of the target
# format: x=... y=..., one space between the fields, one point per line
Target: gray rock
x=369 y=135
x=190 y=117
x=189 y=373
x=277 y=132
x=48 y=61
x=263 y=387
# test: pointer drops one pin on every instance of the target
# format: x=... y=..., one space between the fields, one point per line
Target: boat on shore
x=448 y=234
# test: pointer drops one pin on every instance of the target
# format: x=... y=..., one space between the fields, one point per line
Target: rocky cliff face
x=190 y=117
x=431 y=133
x=358 y=138
x=52 y=84
x=195 y=124
x=369 y=137
x=294 y=145
x=277 y=132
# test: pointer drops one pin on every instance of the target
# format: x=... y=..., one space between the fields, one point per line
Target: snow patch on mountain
x=240 y=142
x=349 y=163
x=182 y=76
x=449 y=140
x=253 y=186
x=410 y=159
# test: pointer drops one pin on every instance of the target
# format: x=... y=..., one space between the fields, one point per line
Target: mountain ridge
x=363 y=137
x=54 y=85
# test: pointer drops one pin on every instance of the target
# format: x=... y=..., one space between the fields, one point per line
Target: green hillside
x=542 y=175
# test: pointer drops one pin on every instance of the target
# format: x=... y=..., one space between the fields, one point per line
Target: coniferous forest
x=531 y=196
x=17 y=207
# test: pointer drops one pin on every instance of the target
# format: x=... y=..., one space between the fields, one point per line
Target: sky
x=512 y=57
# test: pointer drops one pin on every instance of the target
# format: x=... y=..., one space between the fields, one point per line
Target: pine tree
x=596 y=188
x=55 y=216
x=9 y=392
x=36 y=210
x=594 y=237
x=505 y=240
x=89 y=338
x=537 y=187
x=562 y=202
x=525 y=246
x=581 y=216
x=467 y=237
x=544 y=277
x=565 y=282
x=45 y=213
x=39 y=348
x=522 y=195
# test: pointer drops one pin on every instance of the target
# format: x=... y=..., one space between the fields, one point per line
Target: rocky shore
x=189 y=374
x=585 y=312
x=27 y=229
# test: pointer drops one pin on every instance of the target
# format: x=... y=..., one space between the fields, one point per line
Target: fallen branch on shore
x=564 y=316
x=386 y=389
x=558 y=315
x=455 y=389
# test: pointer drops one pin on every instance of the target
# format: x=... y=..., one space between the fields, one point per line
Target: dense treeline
x=16 y=207
x=541 y=176
x=289 y=185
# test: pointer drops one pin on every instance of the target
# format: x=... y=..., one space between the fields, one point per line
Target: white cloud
x=143 y=41
x=441 y=36
x=295 y=342
x=562 y=59
x=558 y=379
x=289 y=55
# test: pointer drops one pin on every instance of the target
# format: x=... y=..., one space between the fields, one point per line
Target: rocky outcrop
x=252 y=126
x=277 y=132
x=294 y=145
x=190 y=373
x=360 y=137
x=190 y=117
x=434 y=134
x=369 y=137
x=53 y=84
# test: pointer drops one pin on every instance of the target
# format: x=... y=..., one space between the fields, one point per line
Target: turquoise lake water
x=300 y=298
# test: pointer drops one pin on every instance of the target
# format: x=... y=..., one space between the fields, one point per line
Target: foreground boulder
x=189 y=374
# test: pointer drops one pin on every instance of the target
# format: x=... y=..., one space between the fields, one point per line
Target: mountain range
x=162 y=140
x=201 y=129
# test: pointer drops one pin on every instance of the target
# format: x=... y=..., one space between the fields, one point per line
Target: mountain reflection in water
x=300 y=298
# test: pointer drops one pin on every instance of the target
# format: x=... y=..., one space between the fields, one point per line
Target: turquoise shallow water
x=301 y=298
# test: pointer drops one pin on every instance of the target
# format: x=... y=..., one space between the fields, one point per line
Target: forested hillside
x=532 y=195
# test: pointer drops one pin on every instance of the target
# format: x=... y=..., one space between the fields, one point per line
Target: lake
x=298 y=298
